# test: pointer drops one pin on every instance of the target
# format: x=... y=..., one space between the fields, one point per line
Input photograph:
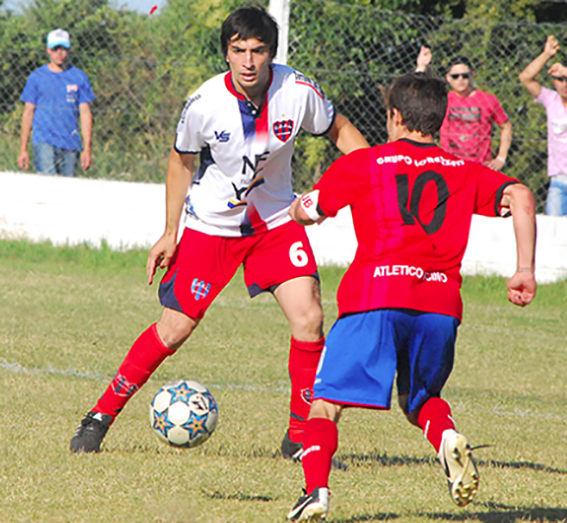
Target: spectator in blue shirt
x=56 y=97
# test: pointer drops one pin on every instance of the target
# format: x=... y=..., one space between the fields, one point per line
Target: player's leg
x=44 y=158
x=282 y=261
x=300 y=301
x=320 y=442
x=186 y=291
x=422 y=372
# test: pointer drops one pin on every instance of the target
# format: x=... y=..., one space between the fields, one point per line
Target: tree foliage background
x=143 y=66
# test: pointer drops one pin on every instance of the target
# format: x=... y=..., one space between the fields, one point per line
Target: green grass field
x=68 y=316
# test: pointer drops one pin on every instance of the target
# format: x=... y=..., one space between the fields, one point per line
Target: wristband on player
x=309 y=203
x=503 y=160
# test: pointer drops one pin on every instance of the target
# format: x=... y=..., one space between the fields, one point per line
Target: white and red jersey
x=243 y=184
x=412 y=206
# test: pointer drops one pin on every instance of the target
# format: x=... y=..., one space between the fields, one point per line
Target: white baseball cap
x=58 y=37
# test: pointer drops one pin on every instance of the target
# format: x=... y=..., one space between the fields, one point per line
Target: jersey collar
x=230 y=86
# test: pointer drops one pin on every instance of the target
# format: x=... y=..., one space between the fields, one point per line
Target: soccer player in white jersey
x=242 y=125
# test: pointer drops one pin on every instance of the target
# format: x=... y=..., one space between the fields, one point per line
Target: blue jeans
x=556 y=204
x=49 y=159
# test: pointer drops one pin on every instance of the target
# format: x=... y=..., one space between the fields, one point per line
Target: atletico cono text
x=408 y=270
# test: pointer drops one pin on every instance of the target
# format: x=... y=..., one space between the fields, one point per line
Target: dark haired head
x=250 y=22
x=421 y=99
x=456 y=60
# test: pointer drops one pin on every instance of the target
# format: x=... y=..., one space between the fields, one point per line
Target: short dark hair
x=456 y=60
x=421 y=99
x=250 y=22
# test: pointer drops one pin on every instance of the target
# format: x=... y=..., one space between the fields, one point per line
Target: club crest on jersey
x=283 y=129
x=200 y=289
x=307 y=395
x=122 y=387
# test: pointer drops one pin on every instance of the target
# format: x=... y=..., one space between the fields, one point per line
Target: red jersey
x=467 y=128
x=412 y=206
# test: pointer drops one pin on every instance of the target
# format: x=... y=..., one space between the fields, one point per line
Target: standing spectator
x=56 y=96
x=555 y=103
x=399 y=302
x=467 y=129
x=242 y=125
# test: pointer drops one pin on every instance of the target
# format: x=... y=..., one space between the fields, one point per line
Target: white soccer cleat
x=455 y=455
x=311 y=507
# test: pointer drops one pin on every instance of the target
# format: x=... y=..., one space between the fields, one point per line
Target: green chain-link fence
x=143 y=66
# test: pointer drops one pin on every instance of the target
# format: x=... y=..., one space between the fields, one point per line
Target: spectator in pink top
x=555 y=103
x=467 y=129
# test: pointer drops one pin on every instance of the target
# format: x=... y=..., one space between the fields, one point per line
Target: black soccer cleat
x=292 y=450
x=311 y=507
x=91 y=432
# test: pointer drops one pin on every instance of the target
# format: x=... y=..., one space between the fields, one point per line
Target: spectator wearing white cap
x=57 y=97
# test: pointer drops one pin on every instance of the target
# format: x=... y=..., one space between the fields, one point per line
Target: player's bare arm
x=180 y=171
x=303 y=210
x=87 y=131
x=520 y=201
x=346 y=136
x=528 y=75
x=505 y=143
x=27 y=122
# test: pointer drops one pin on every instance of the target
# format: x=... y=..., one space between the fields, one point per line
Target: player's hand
x=551 y=46
x=86 y=160
x=495 y=164
x=558 y=70
x=522 y=288
x=24 y=160
x=423 y=59
x=160 y=255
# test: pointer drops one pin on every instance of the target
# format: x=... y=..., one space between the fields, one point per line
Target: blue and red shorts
x=203 y=265
x=364 y=352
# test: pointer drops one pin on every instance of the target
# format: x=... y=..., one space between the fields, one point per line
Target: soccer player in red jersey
x=399 y=302
x=230 y=172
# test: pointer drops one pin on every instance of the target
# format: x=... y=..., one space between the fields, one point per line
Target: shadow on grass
x=497 y=513
x=239 y=496
x=361 y=460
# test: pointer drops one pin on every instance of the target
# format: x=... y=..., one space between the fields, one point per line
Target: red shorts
x=203 y=265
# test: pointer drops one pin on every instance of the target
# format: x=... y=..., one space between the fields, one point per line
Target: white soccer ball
x=183 y=413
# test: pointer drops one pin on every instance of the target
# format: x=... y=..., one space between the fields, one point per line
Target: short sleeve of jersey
x=544 y=97
x=490 y=186
x=319 y=112
x=29 y=94
x=86 y=94
x=498 y=114
x=343 y=183
x=189 y=138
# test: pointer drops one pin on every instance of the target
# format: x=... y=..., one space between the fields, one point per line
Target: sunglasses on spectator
x=464 y=76
x=560 y=78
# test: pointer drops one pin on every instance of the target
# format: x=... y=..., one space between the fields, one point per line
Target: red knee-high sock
x=142 y=360
x=303 y=361
x=319 y=444
x=434 y=418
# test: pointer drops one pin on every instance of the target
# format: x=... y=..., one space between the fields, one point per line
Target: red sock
x=303 y=361
x=434 y=418
x=319 y=444
x=141 y=361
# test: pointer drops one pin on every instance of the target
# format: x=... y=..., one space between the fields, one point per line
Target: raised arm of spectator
x=558 y=70
x=87 y=132
x=27 y=122
x=346 y=136
x=505 y=143
x=423 y=59
x=528 y=75
x=520 y=201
